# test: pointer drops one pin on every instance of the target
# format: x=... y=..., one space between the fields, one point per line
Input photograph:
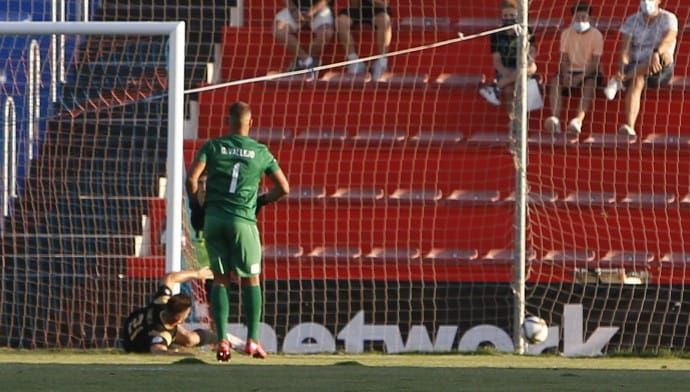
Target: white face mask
x=648 y=7
x=581 y=27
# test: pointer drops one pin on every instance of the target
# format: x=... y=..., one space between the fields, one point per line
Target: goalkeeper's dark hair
x=237 y=111
x=178 y=303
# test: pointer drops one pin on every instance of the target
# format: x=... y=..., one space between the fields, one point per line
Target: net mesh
x=402 y=202
x=610 y=231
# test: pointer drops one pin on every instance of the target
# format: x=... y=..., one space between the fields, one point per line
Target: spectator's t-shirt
x=645 y=38
x=506 y=44
x=581 y=47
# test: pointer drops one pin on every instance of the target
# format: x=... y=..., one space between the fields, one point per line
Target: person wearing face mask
x=581 y=48
x=646 y=59
x=504 y=51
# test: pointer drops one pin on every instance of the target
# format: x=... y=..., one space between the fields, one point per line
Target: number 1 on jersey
x=235 y=177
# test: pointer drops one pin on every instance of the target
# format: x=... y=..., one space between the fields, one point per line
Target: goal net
x=85 y=129
x=610 y=229
x=399 y=231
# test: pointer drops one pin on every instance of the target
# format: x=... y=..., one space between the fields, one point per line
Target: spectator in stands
x=315 y=14
x=372 y=12
x=504 y=50
x=646 y=58
x=581 y=48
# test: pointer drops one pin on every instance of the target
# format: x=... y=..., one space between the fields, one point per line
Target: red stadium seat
x=490 y=139
x=649 y=199
x=577 y=257
x=396 y=254
x=444 y=254
x=321 y=136
x=336 y=252
x=271 y=135
x=437 y=137
x=472 y=197
x=308 y=194
x=282 y=251
x=374 y=136
x=417 y=195
x=609 y=140
x=358 y=194
x=657 y=140
x=590 y=198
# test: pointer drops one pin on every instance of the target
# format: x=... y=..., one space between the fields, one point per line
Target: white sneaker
x=575 y=126
x=490 y=93
x=306 y=63
x=300 y=64
x=552 y=125
x=379 y=67
x=612 y=88
x=626 y=129
x=355 y=68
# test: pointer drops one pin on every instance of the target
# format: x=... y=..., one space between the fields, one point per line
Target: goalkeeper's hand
x=260 y=202
x=197 y=215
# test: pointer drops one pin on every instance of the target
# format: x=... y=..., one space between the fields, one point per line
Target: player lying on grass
x=157 y=326
x=234 y=165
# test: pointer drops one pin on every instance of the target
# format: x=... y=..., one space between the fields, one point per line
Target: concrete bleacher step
x=440 y=109
x=249 y=52
x=84 y=223
x=353 y=166
x=630 y=228
x=377 y=106
x=142 y=185
x=105 y=244
x=425 y=225
x=136 y=128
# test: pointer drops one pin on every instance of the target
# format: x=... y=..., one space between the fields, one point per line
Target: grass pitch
x=113 y=371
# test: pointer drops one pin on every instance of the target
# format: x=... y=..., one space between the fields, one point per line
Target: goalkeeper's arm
x=280 y=188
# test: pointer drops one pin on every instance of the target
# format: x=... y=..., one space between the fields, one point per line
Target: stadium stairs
x=90 y=192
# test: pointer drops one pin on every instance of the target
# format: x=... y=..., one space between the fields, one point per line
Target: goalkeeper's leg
x=219 y=255
x=252 y=300
x=248 y=266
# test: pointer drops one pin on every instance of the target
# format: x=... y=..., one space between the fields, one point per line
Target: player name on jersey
x=238 y=152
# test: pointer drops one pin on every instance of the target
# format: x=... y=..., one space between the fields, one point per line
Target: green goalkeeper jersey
x=234 y=166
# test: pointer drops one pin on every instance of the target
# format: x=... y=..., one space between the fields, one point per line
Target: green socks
x=251 y=297
x=220 y=306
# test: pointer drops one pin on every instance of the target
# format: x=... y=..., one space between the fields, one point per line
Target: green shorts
x=233 y=246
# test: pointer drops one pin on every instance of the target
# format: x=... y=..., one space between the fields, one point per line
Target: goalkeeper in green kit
x=234 y=165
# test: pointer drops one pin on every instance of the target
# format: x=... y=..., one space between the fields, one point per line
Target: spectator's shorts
x=598 y=79
x=498 y=76
x=323 y=18
x=659 y=79
x=365 y=15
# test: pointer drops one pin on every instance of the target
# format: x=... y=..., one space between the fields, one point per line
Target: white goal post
x=175 y=31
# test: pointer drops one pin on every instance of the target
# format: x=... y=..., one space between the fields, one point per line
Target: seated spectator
x=649 y=43
x=299 y=14
x=581 y=48
x=372 y=12
x=504 y=49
